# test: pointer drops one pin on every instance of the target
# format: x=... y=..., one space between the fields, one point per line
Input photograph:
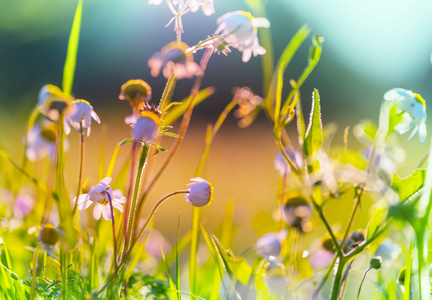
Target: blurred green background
x=370 y=47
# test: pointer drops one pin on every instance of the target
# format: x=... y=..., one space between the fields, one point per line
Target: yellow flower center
x=49 y=133
x=211 y=193
x=247 y=14
x=420 y=100
x=151 y=115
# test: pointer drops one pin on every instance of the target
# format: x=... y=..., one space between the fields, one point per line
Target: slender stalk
x=359 y=195
x=149 y=218
x=113 y=232
x=33 y=281
x=337 y=279
x=132 y=212
x=80 y=172
x=361 y=283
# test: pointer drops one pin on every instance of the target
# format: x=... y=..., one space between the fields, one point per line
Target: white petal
x=106 y=180
x=97 y=211
x=95 y=116
x=422 y=132
x=66 y=126
x=118 y=206
x=85 y=204
x=260 y=22
x=82 y=198
x=106 y=212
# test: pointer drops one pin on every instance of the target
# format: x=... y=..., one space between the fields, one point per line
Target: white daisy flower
x=52 y=101
x=239 y=30
x=100 y=195
x=41 y=140
x=414 y=112
x=270 y=244
x=145 y=127
x=200 y=192
x=79 y=112
x=173 y=60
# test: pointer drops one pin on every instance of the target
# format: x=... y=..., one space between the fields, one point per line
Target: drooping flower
x=296 y=212
x=200 y=192
x=413 y=107
x=282 y=166
x=173 y=60
x=52 y=102
x=248 y=105
x=41 y=140
x=239 y=30
x=101 y=195
x=79 y=113
x=137 y=92
x=270 y=244
x=145 y=127
x=48 y=236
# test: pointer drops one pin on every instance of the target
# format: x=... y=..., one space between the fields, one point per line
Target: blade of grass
x=72 y=51
x=177 y=260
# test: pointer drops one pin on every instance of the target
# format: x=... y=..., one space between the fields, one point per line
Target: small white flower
x=239 y=30
x=52 y=101
x=173 y=60
x=270 y=244
x=100 y=195
x=282 y=166
x=79 y=112
x=145 y=127
x=414 y=112
x=200 y=192
x=41 y=140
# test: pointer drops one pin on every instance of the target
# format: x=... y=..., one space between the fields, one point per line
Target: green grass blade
x=177 y=260
x=72 y=50
x=284 y=60
x=181 y=246
x=173 y=289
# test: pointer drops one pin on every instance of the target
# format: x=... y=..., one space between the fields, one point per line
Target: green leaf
x=178 y=111
x=352 y=158
x=236 y=266
x=409 y=186
x=314 y=132
x=126 y=141
x=379 y=215
x=72 y=50
x=171 y=134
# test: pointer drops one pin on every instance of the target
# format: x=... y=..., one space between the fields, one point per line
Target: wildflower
x=282 y=166
x=413 y=109
x=48 y=236
x=145 y=126
x=239 y=30
x=200 y=192
x=52 y=102
x=206 y=5
x=173 y=60
x=249 y=105
x=296 y=212
x=270 y=244
x=354 y=240
x=79 y=114
x=101 y=194
x=137 y=92
x=41 y=140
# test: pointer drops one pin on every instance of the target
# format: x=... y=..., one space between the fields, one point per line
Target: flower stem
x=338 y=278
x=150 y=217
x=361 y=283
x=34 y=270
x=324 y=279
x=81 y=166
x=130 y=216
x=113 y=232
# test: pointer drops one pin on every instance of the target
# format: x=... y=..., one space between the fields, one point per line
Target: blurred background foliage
x=370 y=47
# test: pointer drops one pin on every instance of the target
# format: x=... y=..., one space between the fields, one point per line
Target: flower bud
x=200 y=192
x=376 y=262
x=137 y=92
